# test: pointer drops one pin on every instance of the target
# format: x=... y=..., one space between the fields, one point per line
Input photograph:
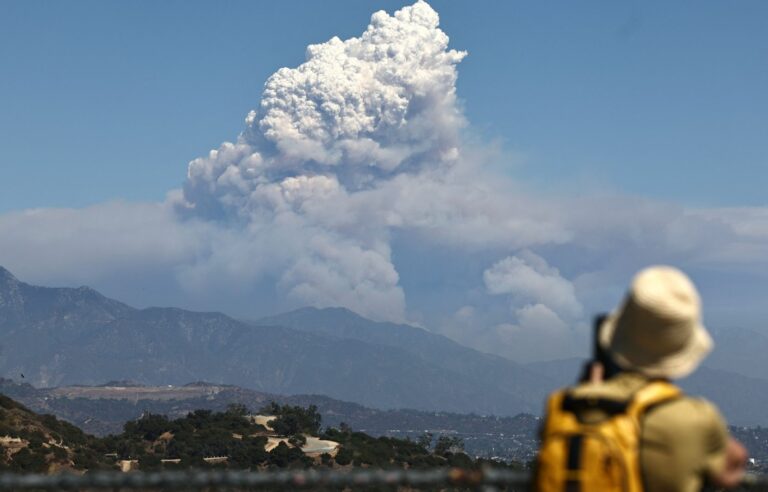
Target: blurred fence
x=489 y=479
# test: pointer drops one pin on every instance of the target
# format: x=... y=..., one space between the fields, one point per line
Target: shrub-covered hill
x=41 y=443
x=204 y=438
x=201 y=437
x=360 y=449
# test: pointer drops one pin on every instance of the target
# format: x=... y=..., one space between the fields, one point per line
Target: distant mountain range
x=740 y=350
x=62 y=336
x=66 y=336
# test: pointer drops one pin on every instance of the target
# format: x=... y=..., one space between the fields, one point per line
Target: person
x=682 y=443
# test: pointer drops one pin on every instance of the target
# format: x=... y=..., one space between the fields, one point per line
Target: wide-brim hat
x=657 y=329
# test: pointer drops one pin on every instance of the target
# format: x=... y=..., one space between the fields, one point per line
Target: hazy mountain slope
x=561 y=372
x=438 y=350
x=740 y=350
x=77 y=336
x=30 y=315
x=743 y=400
x=69 y=336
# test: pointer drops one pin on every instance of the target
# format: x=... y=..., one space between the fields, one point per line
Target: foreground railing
x=488 y=479
x=275 y=480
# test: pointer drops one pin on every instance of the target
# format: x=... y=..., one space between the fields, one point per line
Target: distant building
x=128 y=465
x=212 y=460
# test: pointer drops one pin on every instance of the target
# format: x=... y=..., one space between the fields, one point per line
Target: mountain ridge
x=66 y=336
x=434 y=348
x=61 y=336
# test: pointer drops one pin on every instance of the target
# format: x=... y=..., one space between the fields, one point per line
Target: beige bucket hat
x=657 y=329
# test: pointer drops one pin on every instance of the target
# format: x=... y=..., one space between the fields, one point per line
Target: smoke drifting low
x=354 y=164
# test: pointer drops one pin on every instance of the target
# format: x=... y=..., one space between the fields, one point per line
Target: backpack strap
x=652 y=394
x=573 y=463
x=609 y=406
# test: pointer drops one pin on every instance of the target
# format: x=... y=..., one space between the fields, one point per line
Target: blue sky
x=106 y=99
x=500 y=198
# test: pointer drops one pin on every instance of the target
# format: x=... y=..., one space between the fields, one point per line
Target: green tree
x=448 y=444
x=149 y=427
x=237 y=409
x=297 y=440
x=425 y=440
x=283 y=457
x=150 y=462
x=344 y=456
x=29 y=462
x=291 y=420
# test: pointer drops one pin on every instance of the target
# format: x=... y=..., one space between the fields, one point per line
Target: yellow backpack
x=603 y=456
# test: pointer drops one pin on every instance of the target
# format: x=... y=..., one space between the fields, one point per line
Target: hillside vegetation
x=41 y=443
x=204 y=438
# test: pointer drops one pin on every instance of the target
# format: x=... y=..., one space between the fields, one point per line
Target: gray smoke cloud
x=531 y=282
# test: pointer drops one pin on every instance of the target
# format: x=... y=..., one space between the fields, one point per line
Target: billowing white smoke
x=326 y=136
x=357 y=111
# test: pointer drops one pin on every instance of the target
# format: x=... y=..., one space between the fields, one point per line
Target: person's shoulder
x=683 y=440
x=689 y=407
x=620 y=387
x=684 y=415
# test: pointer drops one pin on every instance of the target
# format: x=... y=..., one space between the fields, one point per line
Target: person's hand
x=735 y=463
